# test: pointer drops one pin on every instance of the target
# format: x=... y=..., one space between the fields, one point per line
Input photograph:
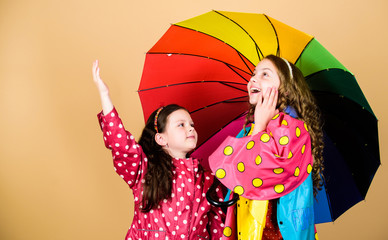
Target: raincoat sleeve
x=128 y=158
x=267 y=165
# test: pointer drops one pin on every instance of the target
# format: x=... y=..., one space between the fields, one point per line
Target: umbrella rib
x=241 y=56
x=324 y=70
x=328 y=203
x=258 y=51
x=300 y=55
x=257 y=47
x=229 y=66
x=227 y=84
x=195 y=55
x=231 y=100
x=277 y=37
x=175 y=84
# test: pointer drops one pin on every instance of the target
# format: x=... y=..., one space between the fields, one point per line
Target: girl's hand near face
x=103 y=89
x=265 y=109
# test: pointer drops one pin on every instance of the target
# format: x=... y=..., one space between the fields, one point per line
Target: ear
x=160 y=139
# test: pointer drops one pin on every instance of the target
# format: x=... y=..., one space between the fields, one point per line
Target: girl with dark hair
x=275 y=164
x=169 y=187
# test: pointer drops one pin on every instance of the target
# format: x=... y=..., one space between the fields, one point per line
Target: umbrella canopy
x=204 y=64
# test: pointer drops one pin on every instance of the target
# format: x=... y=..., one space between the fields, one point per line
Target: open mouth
x=255 y=90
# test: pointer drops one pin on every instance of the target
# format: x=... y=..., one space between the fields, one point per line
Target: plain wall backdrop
x=57 y=179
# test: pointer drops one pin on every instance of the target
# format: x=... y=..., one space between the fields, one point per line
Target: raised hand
x=265 y=109
x=103 y=89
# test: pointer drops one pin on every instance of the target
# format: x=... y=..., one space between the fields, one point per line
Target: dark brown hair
x=158 y=179
x=294 y=92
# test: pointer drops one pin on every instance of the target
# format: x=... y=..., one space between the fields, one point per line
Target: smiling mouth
x=255 y=90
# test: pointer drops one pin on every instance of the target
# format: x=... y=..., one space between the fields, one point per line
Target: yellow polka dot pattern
x=279 y=188
x=228 y=150
x=257 y=182
x=276 y=116
x=239 y=190
x=241 y=167
x=297 y=132
x=250 y=145
x=227 y=231
x=243 y=164
x=220 y=173
x=284 y=140
x=309 y=168
x=278 y=170
x=258 y=160
x=265 y=138
x=297 y=172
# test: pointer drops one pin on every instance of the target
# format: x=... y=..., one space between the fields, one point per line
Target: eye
x=181 y=124
x=192 y=124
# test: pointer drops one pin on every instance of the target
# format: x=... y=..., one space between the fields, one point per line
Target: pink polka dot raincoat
x=186 y=215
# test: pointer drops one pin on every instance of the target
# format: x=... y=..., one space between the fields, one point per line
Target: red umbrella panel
x=203 y=85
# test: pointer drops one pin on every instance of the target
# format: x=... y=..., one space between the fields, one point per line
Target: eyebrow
x=180 y=120
x=262 y=69
x=267 y=69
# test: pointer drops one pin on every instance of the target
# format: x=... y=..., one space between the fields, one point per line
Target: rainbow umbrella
x=204 y=64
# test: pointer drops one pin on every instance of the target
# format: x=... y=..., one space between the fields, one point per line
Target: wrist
x=104 y=92
x=258 y=128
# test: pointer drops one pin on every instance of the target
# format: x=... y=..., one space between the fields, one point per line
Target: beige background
x=56 y=178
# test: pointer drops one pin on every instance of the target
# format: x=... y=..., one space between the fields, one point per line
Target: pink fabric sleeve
x=128 y=158
x=267 y=165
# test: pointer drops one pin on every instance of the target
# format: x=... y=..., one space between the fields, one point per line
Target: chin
x=193 y=147
x=253 y=103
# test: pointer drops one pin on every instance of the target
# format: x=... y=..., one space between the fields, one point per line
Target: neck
x=176 y=154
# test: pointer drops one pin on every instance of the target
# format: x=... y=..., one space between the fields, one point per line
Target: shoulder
x=283 y=120
x=284 y=125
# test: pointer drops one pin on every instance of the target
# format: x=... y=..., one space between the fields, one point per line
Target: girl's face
x=179 y=134
x=265 y=76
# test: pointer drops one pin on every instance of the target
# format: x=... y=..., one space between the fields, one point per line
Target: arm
x=128 y=158
x=106 y=102
x=267 y=165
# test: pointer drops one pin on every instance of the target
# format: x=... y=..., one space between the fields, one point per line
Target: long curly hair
x=294 y=92
x=158 y=178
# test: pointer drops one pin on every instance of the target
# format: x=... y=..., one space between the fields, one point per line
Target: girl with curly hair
x=275 y=164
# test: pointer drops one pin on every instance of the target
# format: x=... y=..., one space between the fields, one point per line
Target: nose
x=253 y=79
